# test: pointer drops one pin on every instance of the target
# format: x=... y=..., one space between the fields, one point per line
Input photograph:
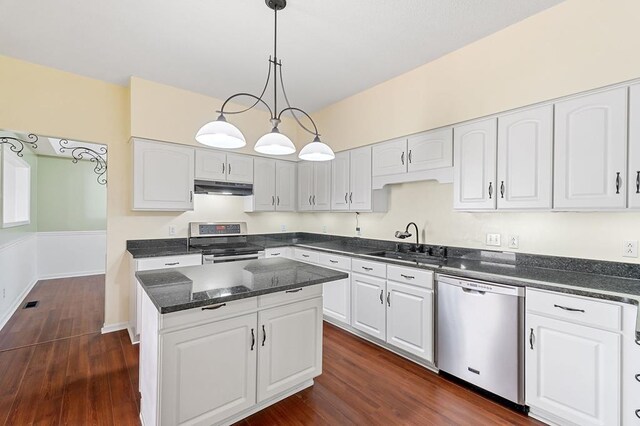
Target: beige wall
x=575 y=46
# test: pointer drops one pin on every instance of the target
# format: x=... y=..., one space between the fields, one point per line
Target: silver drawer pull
x=293 y=291
x=409 y=277
x=211 y=308
x=638 y=377
x=367 y=269
x=275 y=254
x=638 y=414
x=568 y=309
x=333 y=261
x=172 y=263
x=305 y=255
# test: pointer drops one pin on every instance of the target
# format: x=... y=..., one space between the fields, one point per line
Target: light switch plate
x=493 y=240
x=283 y=228
x=630 y=248
x=514 y=241
x=172 y=230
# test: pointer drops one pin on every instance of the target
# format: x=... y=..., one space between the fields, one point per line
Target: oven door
x=210 y=258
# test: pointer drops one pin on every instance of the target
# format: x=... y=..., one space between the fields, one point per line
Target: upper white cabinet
x=351 y=188
x=340 y=167
x=474 y=185
x=424 y=151
x=214 y=165
x=314 y=186
x=590 y=163
x=360 y=179
x=633 y=186
x=163 y=176
x=525 y=155
x=274 y=186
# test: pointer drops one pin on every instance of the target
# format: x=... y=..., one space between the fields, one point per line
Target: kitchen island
x=222 y=341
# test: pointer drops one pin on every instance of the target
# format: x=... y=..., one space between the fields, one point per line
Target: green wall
x=69 y=197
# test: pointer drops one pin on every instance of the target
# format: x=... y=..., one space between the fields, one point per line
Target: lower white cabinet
x=572 y=370
x=201 y=384
x=286 y=252
x=336 y=296
x=410 y=319
x=368 y=312
x=290 y=346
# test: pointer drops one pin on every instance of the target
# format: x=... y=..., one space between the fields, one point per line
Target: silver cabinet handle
x=490 y=189
x=389 y=299
x=351 y=197
x=273 y=200
x=565 y=308
x=222 y=168
x=274 y=254
x=278 y=200
x=310 y=200
x=402 y=158
x=333 y=261
x=367 y=269
x=501 y=189
x=638 y=413
x=409 y=156
x=409 y=277
x=314 y=200
x=213 y=308
x=172 y=263
x=253 y=339
x=346 y=195
x=618 y=182
x=293 y=291
x=305 y=255
x=531 y=338
x=381 y=293
x=229 y=168
x=638 y=377
x=638 y=182
x=191 y=196
x=264 y=335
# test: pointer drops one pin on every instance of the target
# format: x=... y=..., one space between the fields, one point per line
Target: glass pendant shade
x=221 y=134
x=316 y=151
x=275 y=143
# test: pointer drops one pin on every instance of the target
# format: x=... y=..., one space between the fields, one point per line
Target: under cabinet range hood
x=222 y=188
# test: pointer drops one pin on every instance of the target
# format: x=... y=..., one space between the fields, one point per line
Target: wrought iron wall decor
x=84 y=153
x=17 y=145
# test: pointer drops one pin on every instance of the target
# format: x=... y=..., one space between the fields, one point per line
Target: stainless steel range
x=222 y=242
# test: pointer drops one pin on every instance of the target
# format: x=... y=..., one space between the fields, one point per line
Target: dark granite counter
x=159 y=247
x=177 y=289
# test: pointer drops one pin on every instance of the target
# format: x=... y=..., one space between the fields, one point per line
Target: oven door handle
x=213 y=259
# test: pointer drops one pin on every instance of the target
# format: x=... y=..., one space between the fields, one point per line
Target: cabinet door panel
x=211 y=165
x=340 y=184
x=305 y=186
x=430 y=150
x=322 y=183
x=525 y=155
x=290 y=350
x=390 y=158
x=202 y=384
x=239 y=168
x=337 y=300
x=573 y=371
x=590 y=151
x=367 y=305
x=285 y=186
x=633 y=185
x=410 y=319
x=264 y=186
x=163 y=176
x=360 y=179
x=474 y=186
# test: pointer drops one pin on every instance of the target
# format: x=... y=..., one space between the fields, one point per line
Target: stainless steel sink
x=409 y=257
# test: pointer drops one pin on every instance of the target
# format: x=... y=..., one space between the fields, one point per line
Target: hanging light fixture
x=222 y=134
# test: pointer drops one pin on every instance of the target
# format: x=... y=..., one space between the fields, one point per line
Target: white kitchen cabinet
x=274 y=186
x=290 y=346
x=239 y=168
x=163 y=176
x=633 y=186
x=360 y=179
x=336 y=299
x=410 y=319
x=572 y=371
x=340 y=185
x=525 y=159
x=201 y=384
x=590 y=155
x=390 y=157
x=219 y=166
x=430 y=150
x=474 y=182
x=286 y=252
x=314 y=186
x=368 y=312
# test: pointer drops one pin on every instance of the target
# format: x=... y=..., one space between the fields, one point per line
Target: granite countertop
x=338 y=246
x=177 y=289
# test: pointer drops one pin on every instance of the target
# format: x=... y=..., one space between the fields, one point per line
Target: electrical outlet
x=324 y=229
x=514 y=241
x=358 y=231
x=493 y=240
x=172 y=230
x=283 y=228
x=630 y=248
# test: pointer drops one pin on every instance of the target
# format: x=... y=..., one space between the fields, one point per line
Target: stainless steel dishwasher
x=479 y=334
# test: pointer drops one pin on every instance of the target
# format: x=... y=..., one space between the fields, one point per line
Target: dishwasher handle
x=480 y=287
x=468 y=290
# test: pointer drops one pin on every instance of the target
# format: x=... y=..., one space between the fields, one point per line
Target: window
x=16 y=190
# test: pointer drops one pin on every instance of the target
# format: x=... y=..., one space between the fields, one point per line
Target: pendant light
x=222 y=134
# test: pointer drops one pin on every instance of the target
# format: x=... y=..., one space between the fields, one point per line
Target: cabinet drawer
x=370 y=268
x=168 y=262
x=335 y=261
x=577 y=309
x=291 y=295
x=306 y=255
x=413 y=276
x=278 y=252
x=203 y=315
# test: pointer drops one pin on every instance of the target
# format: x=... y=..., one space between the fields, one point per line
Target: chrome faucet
x=407 y=234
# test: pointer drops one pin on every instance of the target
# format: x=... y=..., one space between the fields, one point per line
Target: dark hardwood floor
x=63 y=371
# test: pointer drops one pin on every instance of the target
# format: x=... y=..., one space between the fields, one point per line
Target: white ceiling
x=330 y=48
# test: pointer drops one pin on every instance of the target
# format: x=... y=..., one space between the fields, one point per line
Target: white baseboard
x=16 y=304
x=110 y=328
x=132 y=338
x=72 y=275
x=71 y=253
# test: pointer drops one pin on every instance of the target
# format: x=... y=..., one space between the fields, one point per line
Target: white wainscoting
x=18 y=273
x=71 y=254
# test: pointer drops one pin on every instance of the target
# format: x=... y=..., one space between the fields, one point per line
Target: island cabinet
x=218 y=364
